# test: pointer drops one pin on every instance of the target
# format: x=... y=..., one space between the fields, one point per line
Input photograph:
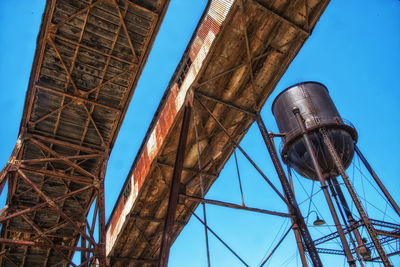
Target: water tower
x=319 y=145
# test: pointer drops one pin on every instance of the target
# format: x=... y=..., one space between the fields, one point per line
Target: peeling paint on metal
x=199 y=49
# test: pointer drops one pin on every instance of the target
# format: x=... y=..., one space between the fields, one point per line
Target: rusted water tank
x=317 y=109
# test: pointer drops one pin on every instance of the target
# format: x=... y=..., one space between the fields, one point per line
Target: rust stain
x=197 y=43
x=210 y=24
x=162 y=127
x=117 y=214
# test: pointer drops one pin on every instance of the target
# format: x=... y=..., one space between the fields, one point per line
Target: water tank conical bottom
x=299 y=159
x=317 y=111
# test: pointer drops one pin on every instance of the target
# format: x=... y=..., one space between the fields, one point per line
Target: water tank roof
x=292 y=86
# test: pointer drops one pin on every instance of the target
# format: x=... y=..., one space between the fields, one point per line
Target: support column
x=324 y=188
x=377 y=180
x=370 y=229
x=102 y=227
x=175 y=185
x=299 y=226
x=364 y=252
x=349 y=225
x=99 y=183
x=296 y=228
x=83 y=245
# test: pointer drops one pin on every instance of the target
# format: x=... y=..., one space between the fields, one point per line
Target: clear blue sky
x=354 y=51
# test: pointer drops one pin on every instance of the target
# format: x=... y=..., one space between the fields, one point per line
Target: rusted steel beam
x=96 y=208
x=197 y=173
x=41 y=205
x=76 y=91
x=129 y=69
x=248 y=52
x=75 y=216
x=277 y=246
x=38 y=60
x=94 y=125
x=33 y=233
x=201 y=186
x=335 y=234
x=77 y=13
x=377 y=180
x=235 y=144
x=40 y=232
x=59 y=175
x=324 y=187
x=188 y=169
x=394 y=226
x=52 y=204
x=101 y=250
x=147 y=218
x=121 y=18
x=75 y=99
x=300 y=226
x=87 y=225
x=363 y=215
x=67 y=144
x=42 y=245
x=86 y=261
x=57 y=110
x=32 y=161
x=389 y=255
x=133 y=260
x=12 y=260
x=10 y=164
x=4 y=209
x=77 y=47
x=92 y=49
x=142 y=8
x=166 y=240
x=228 y=71
x=152 y=219
x=96 y=90
x=228 y=104
x=280 y=17
x=49 y=231
x=337 y=193
x=142 y=235
x=68 y=162
x=71 y=69
x=219 y=238
x=4 y=251
x=234 y=206
x=3 y=177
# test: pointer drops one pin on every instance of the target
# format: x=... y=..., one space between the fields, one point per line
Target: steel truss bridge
x=89 y=57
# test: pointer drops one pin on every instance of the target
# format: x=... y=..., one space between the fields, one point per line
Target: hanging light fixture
x=317 y=221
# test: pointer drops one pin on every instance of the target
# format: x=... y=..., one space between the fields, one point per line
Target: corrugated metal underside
x=88 y=59
x=270 y=33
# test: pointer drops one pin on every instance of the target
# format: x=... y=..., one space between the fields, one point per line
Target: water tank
x=317 y=110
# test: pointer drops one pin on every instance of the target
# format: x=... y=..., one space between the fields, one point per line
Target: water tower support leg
x=166 y=240
x=377 y=180
x=370 y=229
x=299 y=226
x=324 y=188
x=296 y=229
x=350 y=222
x=361 y=246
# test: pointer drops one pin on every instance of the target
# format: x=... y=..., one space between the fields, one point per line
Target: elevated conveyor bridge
x=89 y=57
x=88 y=60
x=236 y=57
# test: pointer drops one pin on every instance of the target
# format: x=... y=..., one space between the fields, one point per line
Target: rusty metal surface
x=88 y=59
x=317 y=110
x=235 y=59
